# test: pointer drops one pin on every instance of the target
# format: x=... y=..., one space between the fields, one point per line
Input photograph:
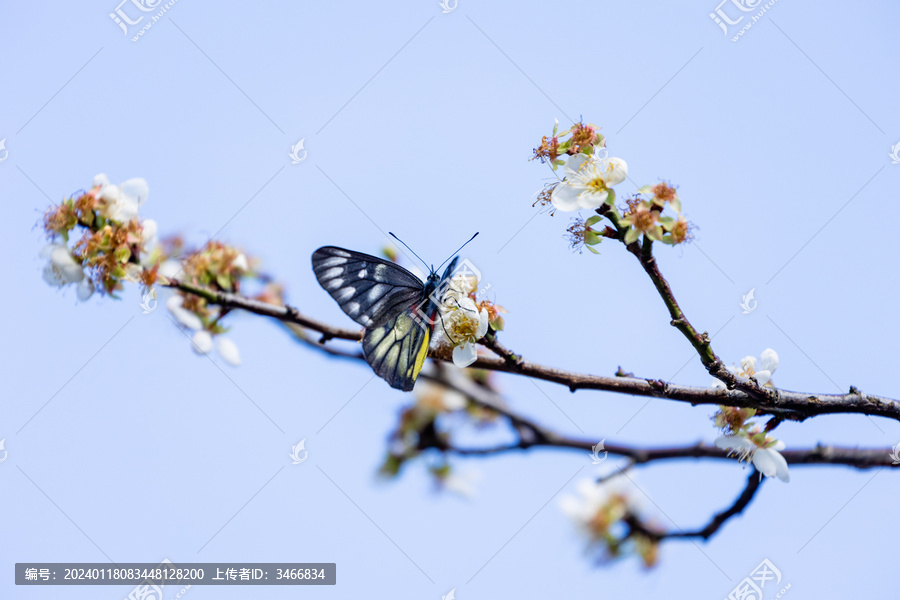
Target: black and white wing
x=369 y=289
x=396 y=349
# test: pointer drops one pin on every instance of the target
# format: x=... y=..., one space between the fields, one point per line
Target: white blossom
x=121 y=202
x=760 y=370
x=593 y=497
x=182 y=315
x=588 y=182
x=767 y=459
x=61 y=270
x=240 y=262
x=463 y=324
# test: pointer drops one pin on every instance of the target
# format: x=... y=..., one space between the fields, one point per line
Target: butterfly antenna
x=457 y=252
x=413 y=251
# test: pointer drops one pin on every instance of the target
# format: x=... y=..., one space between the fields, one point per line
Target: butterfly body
x=397 y=309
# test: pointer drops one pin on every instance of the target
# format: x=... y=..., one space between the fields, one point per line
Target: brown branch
x=284 y=313
x=637 y=526
x=860 y=458
x=700 y=341
x=786 y=404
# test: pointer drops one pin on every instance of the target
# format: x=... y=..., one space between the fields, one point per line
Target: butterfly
x=397 y=309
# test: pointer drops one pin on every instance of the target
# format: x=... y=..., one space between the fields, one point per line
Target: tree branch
x=785 y=404
x=754 y=481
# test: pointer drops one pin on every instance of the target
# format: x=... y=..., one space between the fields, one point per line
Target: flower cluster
x=643 y=215
x=588 y=184
x=98 y=241
x=464 y=319
x=582 y=138
x=425 y=423
x=218 y=267
x=115 y=245
x=601 y=511
x=758 y=370
x=750 y=442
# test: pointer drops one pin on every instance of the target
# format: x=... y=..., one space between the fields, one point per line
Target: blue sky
x=422 y=123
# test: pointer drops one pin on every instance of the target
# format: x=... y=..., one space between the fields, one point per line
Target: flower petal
x=69 y=269
x=182 y=315
x=734 y=443
x=464 y=355
x=228 y=350
x=240 y=262
x=148 y=230
x=768 y=360
x=762 y=377
x=202 y=342
x=53 y=276
x=483 y=322
x=614 y=170
x=748 y=364
x=591 y=200
x=764 y=463
x=85 y=289
x=771 y=464
x=575 y=164
x=564 y=198
x=135 y=190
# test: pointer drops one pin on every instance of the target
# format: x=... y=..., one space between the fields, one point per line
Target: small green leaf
x=592 y=220
x=591 y=238
x=632 y=236
x=122 y=253
x=611 y=198
x=592 y=249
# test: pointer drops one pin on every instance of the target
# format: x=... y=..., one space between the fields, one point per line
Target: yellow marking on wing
x=423 y=352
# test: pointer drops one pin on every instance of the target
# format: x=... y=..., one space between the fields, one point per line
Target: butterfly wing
x=390 y=302
x=396 y=348
x=369 y=289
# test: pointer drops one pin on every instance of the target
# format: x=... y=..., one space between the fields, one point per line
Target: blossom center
x=596 y=184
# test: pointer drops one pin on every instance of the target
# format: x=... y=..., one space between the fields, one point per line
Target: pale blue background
x=150 y=450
